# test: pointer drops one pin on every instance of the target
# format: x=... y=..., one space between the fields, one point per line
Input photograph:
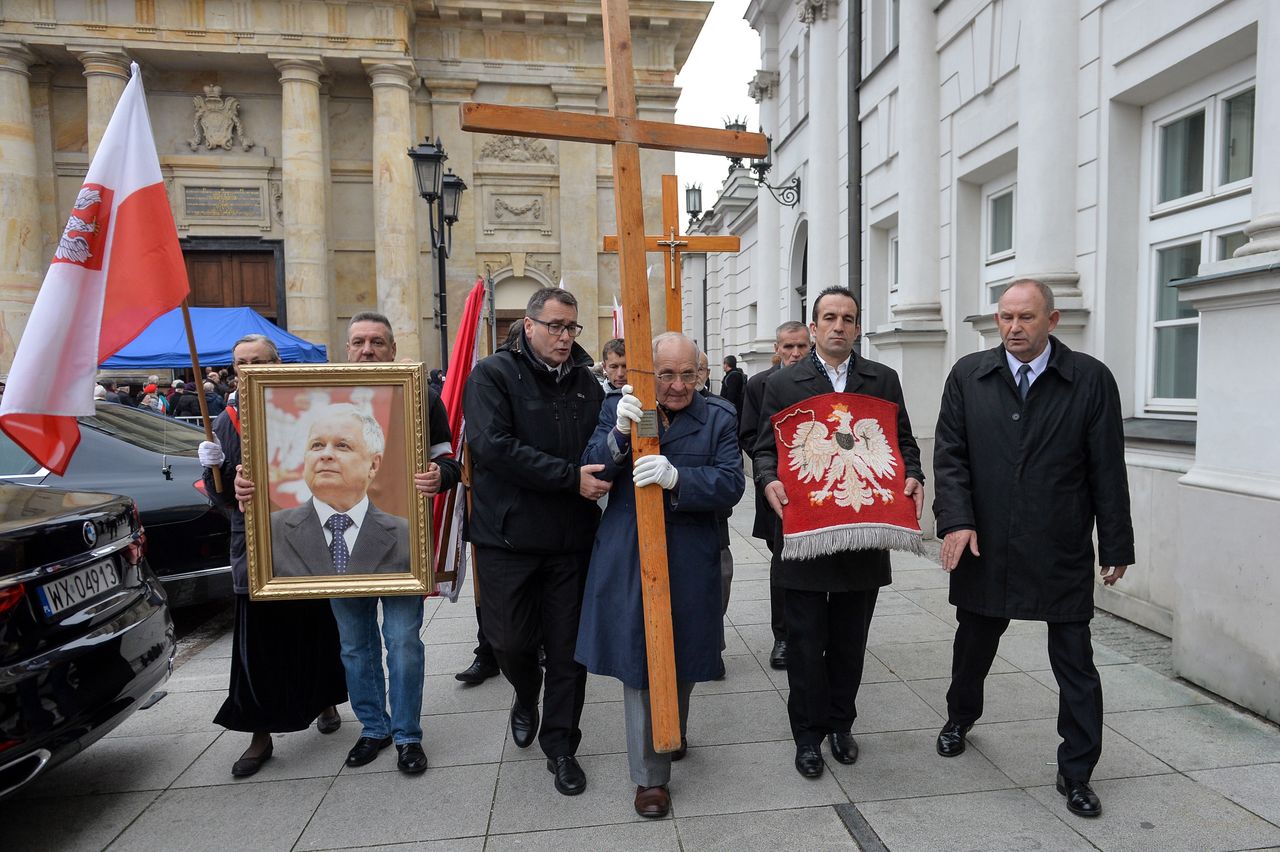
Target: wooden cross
x=628 y=134
x=673 y=244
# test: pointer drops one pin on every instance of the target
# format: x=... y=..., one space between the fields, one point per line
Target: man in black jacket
x=830 y=599
x=733 y=383
x=530 y=409
x=791 y=343
x=1029 y=453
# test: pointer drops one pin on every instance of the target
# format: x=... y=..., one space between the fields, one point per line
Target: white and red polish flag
x=117 y=267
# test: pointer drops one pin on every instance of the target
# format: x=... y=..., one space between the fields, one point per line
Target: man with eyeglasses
x=530 y=409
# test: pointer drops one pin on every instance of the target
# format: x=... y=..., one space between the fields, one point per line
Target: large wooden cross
x=628 y=134
x=674 y=244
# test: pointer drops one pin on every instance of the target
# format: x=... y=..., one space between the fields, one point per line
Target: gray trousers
x=648 y=767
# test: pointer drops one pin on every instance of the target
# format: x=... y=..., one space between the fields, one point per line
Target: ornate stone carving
x=217 y=121
x=763 y=85
x=812 y=10
x=517 y=149
x=531 y=210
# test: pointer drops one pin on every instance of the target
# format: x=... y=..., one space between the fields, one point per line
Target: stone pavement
x=1180 y=769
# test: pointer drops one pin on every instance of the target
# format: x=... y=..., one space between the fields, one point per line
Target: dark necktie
x=338 y=547
x=1024 y=380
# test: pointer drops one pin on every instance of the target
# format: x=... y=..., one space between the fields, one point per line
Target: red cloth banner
x=839 y=460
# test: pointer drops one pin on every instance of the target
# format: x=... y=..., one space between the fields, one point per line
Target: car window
x=14 y=460
x=154 y=432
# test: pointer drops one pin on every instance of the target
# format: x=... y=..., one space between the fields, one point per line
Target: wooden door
x=233 y=280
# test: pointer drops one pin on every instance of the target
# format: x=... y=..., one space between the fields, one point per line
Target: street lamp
x=693 y=201
x=788 y=195
x=443 y=194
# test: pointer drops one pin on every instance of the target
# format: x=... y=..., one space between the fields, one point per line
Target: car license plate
x=78 y=586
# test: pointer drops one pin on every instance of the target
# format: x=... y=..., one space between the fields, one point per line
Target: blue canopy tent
x=164 y=342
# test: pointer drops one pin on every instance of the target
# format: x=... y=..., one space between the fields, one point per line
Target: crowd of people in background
x=181 y=398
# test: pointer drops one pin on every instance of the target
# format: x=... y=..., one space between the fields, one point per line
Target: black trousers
x=1079 y=687
x=826 y=646
x=483 y=651
x=777 y=619
x=527 y=599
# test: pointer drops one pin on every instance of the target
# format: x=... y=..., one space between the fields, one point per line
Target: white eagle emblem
x=82 y=236
x=848 y=463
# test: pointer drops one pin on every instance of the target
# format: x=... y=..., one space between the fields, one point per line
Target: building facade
x=1105 y=147
x=282 y=129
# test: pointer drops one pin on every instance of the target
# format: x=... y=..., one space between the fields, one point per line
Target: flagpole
x=204 y=404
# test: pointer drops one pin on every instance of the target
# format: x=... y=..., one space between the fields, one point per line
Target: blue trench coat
x=702 y=443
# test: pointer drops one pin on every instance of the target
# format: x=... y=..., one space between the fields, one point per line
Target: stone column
x=1263 y=229
x=21 y=258
x=303 y=182
x=764 y=89
x=918 y=196
x=1047 y=109
x=106 y=72
x=395 y=202
x=822 y=186
x=580 y=237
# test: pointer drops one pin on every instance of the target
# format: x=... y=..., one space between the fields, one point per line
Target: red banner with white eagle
x=839 y=460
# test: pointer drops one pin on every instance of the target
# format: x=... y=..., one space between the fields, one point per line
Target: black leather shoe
x=844 y=747
x=326 y=724
x=570 y=779
x=524 y=724
x=478 y=672
x=365 y=750
x=809 y=761
x=951 y=739
x=679 y=753
x=246 y=766
x=1081 y=800
x=778 y=656
x=412 y=758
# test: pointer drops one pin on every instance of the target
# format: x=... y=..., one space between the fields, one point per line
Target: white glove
x=650 y=469
x=628 y=411
x=211 y=454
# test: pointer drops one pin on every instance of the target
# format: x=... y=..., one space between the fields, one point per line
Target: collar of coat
x=813 y=370
x=994 y=361
x=691 y=418
x=578 y=357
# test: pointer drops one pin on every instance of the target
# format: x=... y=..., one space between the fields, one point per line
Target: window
x=1177 y=325
x=1237 y=137
x=793 y=87
x=1182 y=157
x=999 y=211
x=1000 y=214
x=1204 y=149
x=893 y=261
x=1228 y=243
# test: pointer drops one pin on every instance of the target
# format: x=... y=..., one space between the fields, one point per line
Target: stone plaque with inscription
x=222 y=202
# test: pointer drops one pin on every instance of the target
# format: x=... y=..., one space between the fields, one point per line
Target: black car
x=152 y=459
x=85 y=632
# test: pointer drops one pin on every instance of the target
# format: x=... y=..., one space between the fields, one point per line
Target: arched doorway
x=798 y=292
x=510 y=296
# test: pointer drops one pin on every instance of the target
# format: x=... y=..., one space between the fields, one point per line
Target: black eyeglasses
x=685 y=378
x=559 y=328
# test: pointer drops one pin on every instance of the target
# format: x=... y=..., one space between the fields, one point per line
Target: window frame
x=997 y=270
x=1214 y=107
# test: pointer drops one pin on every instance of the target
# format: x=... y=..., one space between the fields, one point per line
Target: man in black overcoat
x=1029 y=456
x=791 y=343
x=829 y=600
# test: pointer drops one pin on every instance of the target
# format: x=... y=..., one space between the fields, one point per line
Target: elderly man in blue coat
x=700 y=472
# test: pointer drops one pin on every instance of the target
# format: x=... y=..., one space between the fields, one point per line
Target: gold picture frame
x=311 y=436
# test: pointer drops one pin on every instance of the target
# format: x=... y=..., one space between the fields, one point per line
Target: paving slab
x=893 y=706
x=742 y=718
x=648 y=836
x=453 y=844
x=526 y=798
x=391 y=807
x=71 y=823
x=742 y=673
x=1165 y=812
x=1028 y=752
x=240 y=816
x=746 y=778
x=1132 y=686
x=995 y=821
x=600 y=688
x=301 y=754
x=603 y=732
x=444 y=631
x=889 y=602
x=924 y=660
x=451 y=657
x=1007 y=697
x=902 y=764
x=203 y=674
x=748 y=612
x=464 y=608
x=1203 y=736
x=749 y=590
x=176 y=713
x=811 y=828
x=1031 y=653
x=1256 y=788
x=442 y=694
x=123 y=764
x=932 y=578
x=916 y=627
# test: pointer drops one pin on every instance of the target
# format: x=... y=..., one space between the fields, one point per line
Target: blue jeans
x=362 y=658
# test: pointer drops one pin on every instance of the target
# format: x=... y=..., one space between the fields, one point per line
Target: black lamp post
x=788 y=195
x=443 y=194
x=693 y=201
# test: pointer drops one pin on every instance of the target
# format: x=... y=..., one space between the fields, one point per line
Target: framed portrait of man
x=332 y=450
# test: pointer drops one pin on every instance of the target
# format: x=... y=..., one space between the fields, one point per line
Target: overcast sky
x=714 y=82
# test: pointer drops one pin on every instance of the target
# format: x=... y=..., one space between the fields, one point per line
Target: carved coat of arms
x=217 y=121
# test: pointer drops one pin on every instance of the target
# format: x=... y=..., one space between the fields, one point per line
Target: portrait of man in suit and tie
x=338 y=530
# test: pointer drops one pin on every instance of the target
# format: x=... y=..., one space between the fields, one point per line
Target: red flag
x=117 y=267
x=448 y=508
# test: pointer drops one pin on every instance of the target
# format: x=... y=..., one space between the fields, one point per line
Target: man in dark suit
x=1029 y=454
x=733 y=384
x=790 y=344
x=338 y=531
x=830 y=599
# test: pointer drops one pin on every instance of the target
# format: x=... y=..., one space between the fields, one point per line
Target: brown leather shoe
x=653 y=802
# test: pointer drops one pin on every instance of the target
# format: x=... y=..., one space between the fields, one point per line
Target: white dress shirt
x=839 y=376
x=1037 y=364
x=356 y=513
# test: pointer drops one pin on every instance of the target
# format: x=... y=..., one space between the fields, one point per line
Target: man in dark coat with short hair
x=733 y=384
x=830 y=599
x=1029 y=454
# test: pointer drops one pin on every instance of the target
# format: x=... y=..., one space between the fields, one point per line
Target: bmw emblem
x=90 y=533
